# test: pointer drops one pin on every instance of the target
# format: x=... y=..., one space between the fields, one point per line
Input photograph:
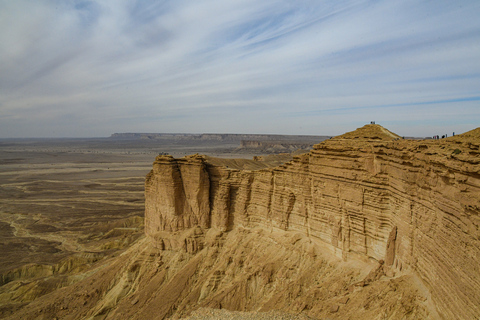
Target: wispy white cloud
x=83 y=68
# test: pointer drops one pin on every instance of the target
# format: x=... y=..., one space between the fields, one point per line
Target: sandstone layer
x=273 y=147
x=412 y=205
x=216 y=137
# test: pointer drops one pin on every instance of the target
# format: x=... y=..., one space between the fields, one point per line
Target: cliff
x=217 y=137
x=274 y=146
x=411 y=205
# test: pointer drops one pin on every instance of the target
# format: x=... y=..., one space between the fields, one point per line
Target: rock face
x=368 y=194
x=274 y=146
x=216 y=137
x=178 y=194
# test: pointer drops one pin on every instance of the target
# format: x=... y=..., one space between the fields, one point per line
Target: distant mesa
x=219 y=137
x=264 y=141
x=247 y=143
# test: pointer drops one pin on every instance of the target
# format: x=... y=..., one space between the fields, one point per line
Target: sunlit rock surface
x=366 y=225
x=413 y=204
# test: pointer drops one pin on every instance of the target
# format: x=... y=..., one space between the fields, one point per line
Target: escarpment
x=370 y=194
x=179 y=192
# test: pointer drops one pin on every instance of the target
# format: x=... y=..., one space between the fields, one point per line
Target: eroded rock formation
x=364 y=226
x=260 y=146
x=414 y=205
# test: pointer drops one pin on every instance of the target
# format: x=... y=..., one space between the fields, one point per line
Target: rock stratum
x=413 y=205
x=217 y=137
x=366 y=225
x=275 y=146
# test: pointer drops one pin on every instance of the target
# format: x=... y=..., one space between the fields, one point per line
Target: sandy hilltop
x=366 y=225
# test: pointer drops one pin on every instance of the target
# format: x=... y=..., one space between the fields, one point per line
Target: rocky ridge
x=217 y=137
x=413 y=205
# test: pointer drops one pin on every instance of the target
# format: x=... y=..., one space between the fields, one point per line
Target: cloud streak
x=91 y=68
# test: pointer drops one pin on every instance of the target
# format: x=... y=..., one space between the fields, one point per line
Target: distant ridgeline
x=219 y=137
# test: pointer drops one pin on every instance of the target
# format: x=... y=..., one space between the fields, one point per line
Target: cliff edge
x=412 y=205
x=366 y=225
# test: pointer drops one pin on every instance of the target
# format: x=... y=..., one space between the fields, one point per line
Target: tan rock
x=367 y=193
x=334 y=308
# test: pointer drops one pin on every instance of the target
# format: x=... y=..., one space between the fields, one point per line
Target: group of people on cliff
x=443 y=137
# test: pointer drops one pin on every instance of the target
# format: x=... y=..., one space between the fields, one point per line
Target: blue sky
x=92 y=68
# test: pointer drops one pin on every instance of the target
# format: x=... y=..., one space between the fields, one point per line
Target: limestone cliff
x=413 y=204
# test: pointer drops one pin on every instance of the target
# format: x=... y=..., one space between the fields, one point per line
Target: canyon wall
x=413 y=204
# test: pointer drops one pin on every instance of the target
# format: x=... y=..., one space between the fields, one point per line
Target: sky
x=92 y=68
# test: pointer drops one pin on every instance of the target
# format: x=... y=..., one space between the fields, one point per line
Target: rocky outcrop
x=413 y=204
x=274 y=146
x=178 y=194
